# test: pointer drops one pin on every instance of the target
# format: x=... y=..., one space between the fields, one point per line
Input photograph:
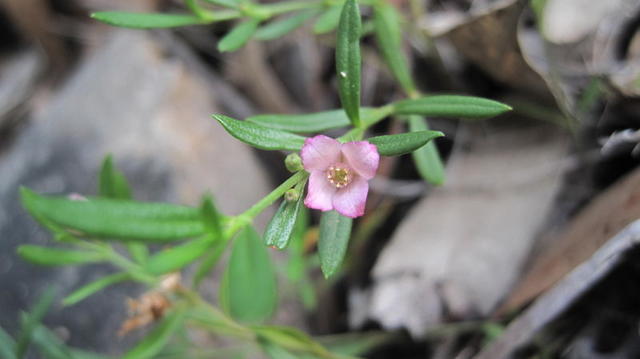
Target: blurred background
x=539 y=206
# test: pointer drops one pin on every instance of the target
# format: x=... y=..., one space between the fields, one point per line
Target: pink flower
x=338 y=174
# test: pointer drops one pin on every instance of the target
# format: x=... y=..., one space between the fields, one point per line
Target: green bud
x=292 y=195
x=293 y=162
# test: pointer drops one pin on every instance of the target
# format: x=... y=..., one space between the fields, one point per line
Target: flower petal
x=363 y=157
x=320 y=152
x=320 y=192
x=350 y=201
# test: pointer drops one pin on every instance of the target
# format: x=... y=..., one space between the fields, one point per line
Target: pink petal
x=320 y=152
x=320 y=193
x=363 y=157
x=350 y=201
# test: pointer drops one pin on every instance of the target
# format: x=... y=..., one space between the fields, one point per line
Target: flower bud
x=293 y=162
x=292 y=195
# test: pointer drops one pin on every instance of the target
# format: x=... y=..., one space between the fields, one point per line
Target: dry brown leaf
x=609 y=213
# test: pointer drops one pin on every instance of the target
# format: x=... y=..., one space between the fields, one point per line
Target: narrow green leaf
x=153 y=343
x=335 y=230
x=395 y=145
x=145 y=20
x=260 y=137
x=138 y=251
x=226 y=3
x=117 y=219
x=113 y=184
x=451 y=106
x=288 y=337
x=238 y=36
x=198 y=10
x=328 y=21
x=427 y=158
x=46 y=256
x=172 y=259
x=348 y=60
x=355 y=343
x=250 y=280
x=280 y=228
x=296 y=263
x=209 y=261
x=386 y=22
x=93 y=287
x=274 y=351
x=7 y=345
x=51 y=347
x=32 y=320
x=283 y=26
x=211 y=217
x=316 y=122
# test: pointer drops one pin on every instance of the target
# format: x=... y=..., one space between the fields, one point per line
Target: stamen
x=340 y=176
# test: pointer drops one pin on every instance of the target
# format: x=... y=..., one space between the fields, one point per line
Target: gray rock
x=153 y=113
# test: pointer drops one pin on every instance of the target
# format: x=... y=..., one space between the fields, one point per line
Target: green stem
x=245 y=218
x=274 y=195
x=134 y=269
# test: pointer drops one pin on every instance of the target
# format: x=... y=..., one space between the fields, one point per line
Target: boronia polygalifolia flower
x=339 y=174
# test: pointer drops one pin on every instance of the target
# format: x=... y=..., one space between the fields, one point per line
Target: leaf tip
x=327 y=272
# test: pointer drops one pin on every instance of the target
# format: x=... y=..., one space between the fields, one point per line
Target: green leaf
x=328 y=21
x=250 y=280
x=274 y=351
x=280 y=228
x=226 y=3
x=93 y=287
x=296 y=264
x=395 y=145
x=355 y=343
x=118 y=219
x=259 y=136
x=209 y=261
x=451 y=106
x=211 y=217
x=198 y=10
x=153 y=343
x=139 y=252
x=51 y=347
x=238 y=36
x=288 y=337
x=7 y=345
x=32 y=320
x=113 y=184
x=145 y=20
x=316 y=122
x=348 y=60
x=335 y=230
x=46 y=256
x=386 y=22
x=427 y=158
x=172 y=259
x=283 y=26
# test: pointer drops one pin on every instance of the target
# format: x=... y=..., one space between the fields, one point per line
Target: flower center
x=339 y=176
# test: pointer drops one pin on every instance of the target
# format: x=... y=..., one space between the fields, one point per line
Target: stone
x=133 y=99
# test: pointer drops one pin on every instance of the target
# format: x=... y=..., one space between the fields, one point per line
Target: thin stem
x=268 y=200
x=132 y=268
